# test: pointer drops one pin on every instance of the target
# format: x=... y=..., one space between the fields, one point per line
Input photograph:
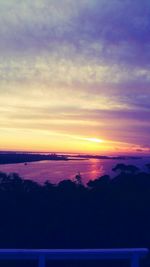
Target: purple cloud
x=97 y=52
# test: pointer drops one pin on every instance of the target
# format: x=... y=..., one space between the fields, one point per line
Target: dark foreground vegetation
x=108 y=213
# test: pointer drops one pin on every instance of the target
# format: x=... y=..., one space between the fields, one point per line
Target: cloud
x=67 y=63
x=113 y=31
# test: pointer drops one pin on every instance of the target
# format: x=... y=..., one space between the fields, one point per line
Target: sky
x=75 y=76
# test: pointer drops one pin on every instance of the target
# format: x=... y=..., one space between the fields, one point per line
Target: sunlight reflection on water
x=56 y=171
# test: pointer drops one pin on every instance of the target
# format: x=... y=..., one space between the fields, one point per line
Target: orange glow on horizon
x=44 y=141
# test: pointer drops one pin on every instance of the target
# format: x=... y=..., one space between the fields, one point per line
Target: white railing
x=133 y=254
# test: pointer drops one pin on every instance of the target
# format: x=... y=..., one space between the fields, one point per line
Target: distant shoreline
x=14 y=158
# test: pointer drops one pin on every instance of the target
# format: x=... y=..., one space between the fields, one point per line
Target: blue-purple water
x=56 y=171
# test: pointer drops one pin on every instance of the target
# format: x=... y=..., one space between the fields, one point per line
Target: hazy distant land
x=15 y=157
x=10 y=158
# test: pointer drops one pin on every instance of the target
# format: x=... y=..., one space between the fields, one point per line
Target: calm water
x=56 y=171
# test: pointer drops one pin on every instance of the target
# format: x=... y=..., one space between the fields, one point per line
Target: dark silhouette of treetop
x=78 y=179
x=122 y=168
x=107 y=213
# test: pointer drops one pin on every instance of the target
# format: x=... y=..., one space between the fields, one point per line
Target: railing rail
x=133 y=254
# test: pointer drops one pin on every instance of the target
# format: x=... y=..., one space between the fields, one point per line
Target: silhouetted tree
x=120 y=167
x=104 y=180
x=78 y=179
x=131 y=169
x=108 y=213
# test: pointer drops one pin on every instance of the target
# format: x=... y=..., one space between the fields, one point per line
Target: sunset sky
x=75 y=75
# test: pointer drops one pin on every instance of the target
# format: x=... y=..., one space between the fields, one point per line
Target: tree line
x=107 y=213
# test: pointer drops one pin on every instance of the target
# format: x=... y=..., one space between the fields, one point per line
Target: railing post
x=41 y=261
x=135 y=261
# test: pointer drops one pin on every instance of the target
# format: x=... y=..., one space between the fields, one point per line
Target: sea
x=56 y=171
